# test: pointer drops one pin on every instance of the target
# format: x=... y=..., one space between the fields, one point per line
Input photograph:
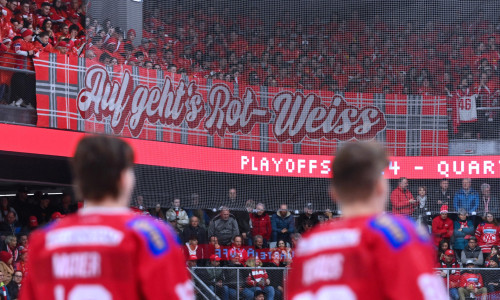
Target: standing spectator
x=443 y=195
x=402 y=200
x=450 y=262
x=461 y=228
x=471 y=283
x=10 y=226
x=307 y=218
x=6 y=267
x=261 y=223
x=472 y=252
x=466 y=198
x=442 y=226
x=257 y=279
x=194 y=229
x=423 y=207
x=283 y=224
x=15 y=285
x=224 y=227
x=179 y=214
x=488 y=203
x=232 y=202
x=487 y=233
x=5 y=208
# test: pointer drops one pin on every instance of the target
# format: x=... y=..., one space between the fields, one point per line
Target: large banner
x=148 y=104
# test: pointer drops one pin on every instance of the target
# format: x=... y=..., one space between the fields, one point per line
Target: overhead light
x=31 y=194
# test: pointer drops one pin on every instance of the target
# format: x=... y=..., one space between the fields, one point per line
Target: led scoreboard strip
x=42 y=141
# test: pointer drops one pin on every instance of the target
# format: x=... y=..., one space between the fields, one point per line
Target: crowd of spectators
x=344 y=52
x=29 y=28
x=464 y=229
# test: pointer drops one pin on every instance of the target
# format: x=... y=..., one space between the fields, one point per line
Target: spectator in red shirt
x=261 y=223
x=471 y=283
x=442 y=226
x=449 y=261
x=402 y=200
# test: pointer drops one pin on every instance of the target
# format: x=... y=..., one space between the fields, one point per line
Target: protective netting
x=301 y=78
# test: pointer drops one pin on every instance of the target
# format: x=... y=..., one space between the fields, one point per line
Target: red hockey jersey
x=369 y=257
x=487 y=235
x=106 y=253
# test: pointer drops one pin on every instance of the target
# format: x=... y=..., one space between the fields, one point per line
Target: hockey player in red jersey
x=105 y=251
x=366 y=254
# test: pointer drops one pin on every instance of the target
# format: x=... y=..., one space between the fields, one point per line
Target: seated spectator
x=261 y=223
x=283 y=224
x=488 y=203
x=172 y=220
x=43 y=211
x=10 y=226
x=5 y=208
x=285 y=252
x=260 y=249
x=493 y=284
x=259 y=295
x=194 y=229
x=192 y=261
x=179 y=214
x=444 y=245
x=237 y=249
x=21 y=265
x=442 y=226
x=157 y=212
x=466 y=198
x=462 y=228
x=326 y=216
x=307 y=219
x=257 y=279
x=22 y=241
x=450 y=262
x=201 y=214
x=214 y=278
x=231 y=274
x=6 y=267
x=213 y=247
x=487 y=233
x=67 y=205
x=471 y=283
x=402 y=200
x=10 y=245
x=493 y=253
x=191 y=248
x=276 y=275
x=224 y=227
x=472 y=252
x=14 y=286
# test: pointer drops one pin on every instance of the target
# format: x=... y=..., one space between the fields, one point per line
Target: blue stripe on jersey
x=153 y=233
x=392 y=229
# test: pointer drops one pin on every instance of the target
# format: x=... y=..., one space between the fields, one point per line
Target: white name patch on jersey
x=83 y=236
x=324 y=267
x=329 y=240
x=76 y=265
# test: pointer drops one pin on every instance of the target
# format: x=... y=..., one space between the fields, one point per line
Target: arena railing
x=234 y=281
x=455 y=285
x=15 y=63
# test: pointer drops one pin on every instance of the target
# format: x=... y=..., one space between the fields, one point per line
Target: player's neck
x=358 y=209
x=107 y=202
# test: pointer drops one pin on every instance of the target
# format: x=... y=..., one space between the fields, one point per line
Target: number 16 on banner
x=393 y=166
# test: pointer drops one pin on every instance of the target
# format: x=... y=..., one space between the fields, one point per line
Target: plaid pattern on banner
x=415 y=125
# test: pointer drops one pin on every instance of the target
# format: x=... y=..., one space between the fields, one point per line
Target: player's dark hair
x=357 y=168
x=98 y=164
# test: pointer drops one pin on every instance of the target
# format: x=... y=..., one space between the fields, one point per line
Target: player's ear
x=381 y=188
x=127 y=182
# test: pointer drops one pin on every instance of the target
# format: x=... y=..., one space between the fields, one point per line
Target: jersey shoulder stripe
x=156 y=235
x=392 y=229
